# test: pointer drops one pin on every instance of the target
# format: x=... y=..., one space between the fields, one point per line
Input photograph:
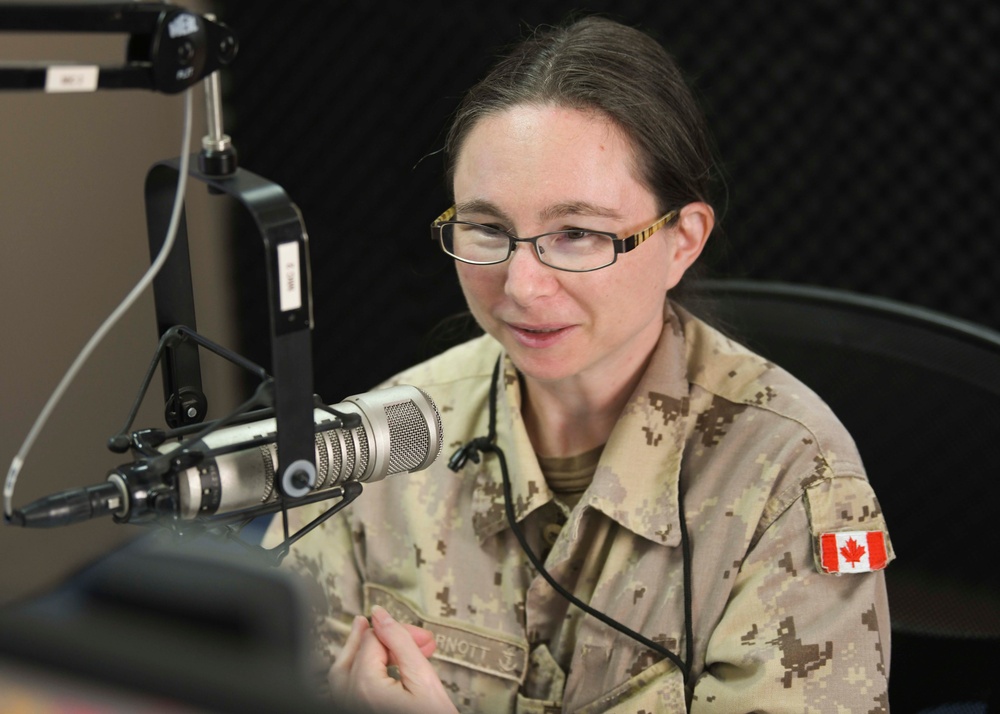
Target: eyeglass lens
x=569 y=250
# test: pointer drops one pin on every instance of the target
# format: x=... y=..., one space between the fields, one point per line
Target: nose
x=527 y=278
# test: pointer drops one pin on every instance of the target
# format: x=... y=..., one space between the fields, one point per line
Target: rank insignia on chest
x=852 y=551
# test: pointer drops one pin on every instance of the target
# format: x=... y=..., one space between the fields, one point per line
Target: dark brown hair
x=598 y=64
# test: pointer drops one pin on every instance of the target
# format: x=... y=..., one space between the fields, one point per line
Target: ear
x=688 y=238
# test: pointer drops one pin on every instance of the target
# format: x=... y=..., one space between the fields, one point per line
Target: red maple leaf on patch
x=852 y=552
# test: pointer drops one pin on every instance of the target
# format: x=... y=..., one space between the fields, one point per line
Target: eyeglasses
x=575 y=250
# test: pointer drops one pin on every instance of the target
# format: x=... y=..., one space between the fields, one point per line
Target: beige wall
x=74 y=242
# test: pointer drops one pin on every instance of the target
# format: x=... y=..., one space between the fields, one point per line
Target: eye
x=577 y=236
x=487 y=232
x=481 y=233
x=576 y=243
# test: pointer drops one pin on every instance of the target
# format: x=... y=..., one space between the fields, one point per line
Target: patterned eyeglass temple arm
x=446 y=216
x=626 y=244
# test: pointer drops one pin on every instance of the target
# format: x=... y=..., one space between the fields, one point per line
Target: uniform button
x=551 y=532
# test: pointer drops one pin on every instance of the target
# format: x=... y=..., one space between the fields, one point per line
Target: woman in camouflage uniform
x=653 y=518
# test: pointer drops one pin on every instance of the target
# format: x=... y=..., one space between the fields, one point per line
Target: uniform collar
x=636 y=483
x=637 y=480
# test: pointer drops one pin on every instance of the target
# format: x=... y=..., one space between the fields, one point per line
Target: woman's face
x=536 y=169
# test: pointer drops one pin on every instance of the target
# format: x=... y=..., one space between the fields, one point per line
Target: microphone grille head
x=410 y=434
x=363 y=453
x=401 y=433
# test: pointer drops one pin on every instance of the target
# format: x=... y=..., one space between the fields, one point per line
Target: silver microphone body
x=400 y=431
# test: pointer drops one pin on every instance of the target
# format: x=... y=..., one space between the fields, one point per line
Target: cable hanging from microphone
x=22 y=454
x=488 y=444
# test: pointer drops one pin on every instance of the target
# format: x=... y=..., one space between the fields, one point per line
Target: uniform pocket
x=658 y=688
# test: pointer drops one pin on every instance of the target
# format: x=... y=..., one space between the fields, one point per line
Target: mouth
x=538 y=330
x=538 y=335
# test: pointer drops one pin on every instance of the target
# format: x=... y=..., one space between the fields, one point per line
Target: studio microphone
x=399 y=431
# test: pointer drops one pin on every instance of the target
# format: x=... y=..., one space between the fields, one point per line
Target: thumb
x=414 y=668
x=423 y=638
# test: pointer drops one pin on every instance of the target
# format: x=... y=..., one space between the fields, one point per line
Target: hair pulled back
x=598 y=64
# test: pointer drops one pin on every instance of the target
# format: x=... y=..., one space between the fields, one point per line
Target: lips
x=539 y=336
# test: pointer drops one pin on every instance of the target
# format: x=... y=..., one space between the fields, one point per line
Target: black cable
x=686 y=559
x=488 y=444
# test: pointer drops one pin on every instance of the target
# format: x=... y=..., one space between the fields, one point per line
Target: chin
x=550 y=369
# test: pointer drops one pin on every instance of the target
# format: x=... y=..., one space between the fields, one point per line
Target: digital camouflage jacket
x=764 y=469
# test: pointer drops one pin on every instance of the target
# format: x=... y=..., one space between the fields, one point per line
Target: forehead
x=541 y=155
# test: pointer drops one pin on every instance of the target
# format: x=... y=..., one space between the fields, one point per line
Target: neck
x=573 y=416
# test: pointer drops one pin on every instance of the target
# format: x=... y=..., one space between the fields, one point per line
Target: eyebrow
x=579 y=208
x=479 y=205
x=558 y=210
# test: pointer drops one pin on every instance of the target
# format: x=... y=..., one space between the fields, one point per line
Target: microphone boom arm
x=169 y=48
x=289 y=299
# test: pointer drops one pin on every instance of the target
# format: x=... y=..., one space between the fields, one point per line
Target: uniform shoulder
x=732 y=372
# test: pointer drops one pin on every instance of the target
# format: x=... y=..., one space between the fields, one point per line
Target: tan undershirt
x=569 y=476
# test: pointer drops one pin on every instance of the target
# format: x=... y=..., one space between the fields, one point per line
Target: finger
x=373 y=655
x=345 y=659
x=423 y=638
x=416 y=672
x=417 y=676
x=339 y=674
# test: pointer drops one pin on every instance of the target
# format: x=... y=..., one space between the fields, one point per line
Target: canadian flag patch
x=852 y=551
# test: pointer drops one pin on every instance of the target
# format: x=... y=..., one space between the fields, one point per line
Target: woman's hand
x=362 y=668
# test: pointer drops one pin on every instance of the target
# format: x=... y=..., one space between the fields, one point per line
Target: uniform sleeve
x=793 y=638
x=326 y=560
